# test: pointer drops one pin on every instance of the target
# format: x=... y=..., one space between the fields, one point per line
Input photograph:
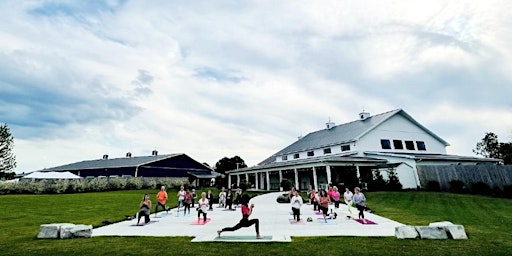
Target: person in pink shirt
x=245 y=221
x=335 y=195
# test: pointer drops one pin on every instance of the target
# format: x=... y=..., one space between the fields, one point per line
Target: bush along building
x=389 y=149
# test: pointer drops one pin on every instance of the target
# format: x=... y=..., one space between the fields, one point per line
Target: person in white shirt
x=203 y=205
x=222 y=198
x=348 y=197
x=181 y=197
x=296 y=202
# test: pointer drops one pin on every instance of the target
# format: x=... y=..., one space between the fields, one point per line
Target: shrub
x=286 y=185
x=244 y=184
x=496 y=191
x=433 y=185
x=377 y=183
x=283 y=199
x=117 y=183
x=507 y=191
x=133 y=183
x=480 y=188
x=456 y=186
x=393 y=184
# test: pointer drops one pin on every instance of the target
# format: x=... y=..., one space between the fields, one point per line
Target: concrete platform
x=275 y=224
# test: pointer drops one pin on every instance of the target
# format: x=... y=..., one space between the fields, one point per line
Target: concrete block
x=440 y=224
x=75 y=231
x=431 y=232
x=403 y=232
x=50 y=230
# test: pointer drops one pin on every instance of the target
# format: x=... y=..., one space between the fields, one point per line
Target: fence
x=492 y=175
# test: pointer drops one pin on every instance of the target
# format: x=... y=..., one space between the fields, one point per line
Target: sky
x=213 y=79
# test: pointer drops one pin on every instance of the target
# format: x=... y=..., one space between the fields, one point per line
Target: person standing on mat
x=202 y=205
x=336 y=197
x=296 y=202
x=360 y=201
x=181 y=197
x=245 y=221
x=194 y=197
x=187 y=201
x=222 y=198
x=347 y=196
x=323 y=203
x=144 y=207
x=210 y=198
x=162 y=199
x=229 y=199
x=238 y=197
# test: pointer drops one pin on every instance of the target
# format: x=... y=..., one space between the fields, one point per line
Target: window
x=420 y=145
x=295 y=156
x=311 y=153
x=284 y=158
x=327 y=150
x=398 y=144
x=385 y=144
x=409 y=144
x=345 y=148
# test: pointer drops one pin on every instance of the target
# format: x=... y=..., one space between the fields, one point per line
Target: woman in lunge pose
x=245 y=221
x=144 y=207
x=360 y=201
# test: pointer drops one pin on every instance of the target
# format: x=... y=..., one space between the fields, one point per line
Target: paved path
x=274 y=223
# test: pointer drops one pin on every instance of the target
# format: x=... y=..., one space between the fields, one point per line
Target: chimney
x=129 y=154
x=329 y=124
x=154 y=153
x=364 y=115
x=105 y=157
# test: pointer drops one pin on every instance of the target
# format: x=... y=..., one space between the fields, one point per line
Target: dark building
x=172 y=165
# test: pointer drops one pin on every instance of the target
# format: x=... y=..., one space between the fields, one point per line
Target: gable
x=354 y=131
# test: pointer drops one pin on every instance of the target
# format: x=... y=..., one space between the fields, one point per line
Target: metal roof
x=436 y=157
x=112 y=163
x=335 y=158
x=344 y=133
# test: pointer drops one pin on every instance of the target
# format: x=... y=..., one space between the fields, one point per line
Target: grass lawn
x=488 y=222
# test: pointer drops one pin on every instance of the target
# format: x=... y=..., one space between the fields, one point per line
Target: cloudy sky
x=79 y=79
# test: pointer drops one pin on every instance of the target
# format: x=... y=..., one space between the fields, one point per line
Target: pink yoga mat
x=201 y=222
x=368 y=222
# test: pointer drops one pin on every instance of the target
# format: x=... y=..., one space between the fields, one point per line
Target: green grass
x=488 y=222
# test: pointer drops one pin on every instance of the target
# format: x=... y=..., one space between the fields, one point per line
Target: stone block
x=50 y=230
x=427 y=232
x=403 y=232
x=456 y=232
x=75 y=231
x=440 y=224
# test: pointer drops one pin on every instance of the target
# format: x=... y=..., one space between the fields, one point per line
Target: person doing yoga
x=245 y=221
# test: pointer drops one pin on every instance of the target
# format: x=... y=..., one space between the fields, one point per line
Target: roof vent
x=154 y=153
x=105 y=157
x=364 y=115
x=129 y=154
x=329 y=124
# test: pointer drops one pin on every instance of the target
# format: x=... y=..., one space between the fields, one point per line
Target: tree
x=227 y=164
x=393 y=183
x=7 y=158
x=491 y=147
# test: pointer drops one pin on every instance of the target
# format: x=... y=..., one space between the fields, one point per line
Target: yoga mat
x=368 y=222
x=293 y=222
x=201 y=222
x=141 y=223
x=329 y=221
x=242 y=239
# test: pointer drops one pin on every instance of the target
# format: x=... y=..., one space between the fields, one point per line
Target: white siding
x=400 y=128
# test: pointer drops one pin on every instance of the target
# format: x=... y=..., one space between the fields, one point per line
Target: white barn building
x=391 y=140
